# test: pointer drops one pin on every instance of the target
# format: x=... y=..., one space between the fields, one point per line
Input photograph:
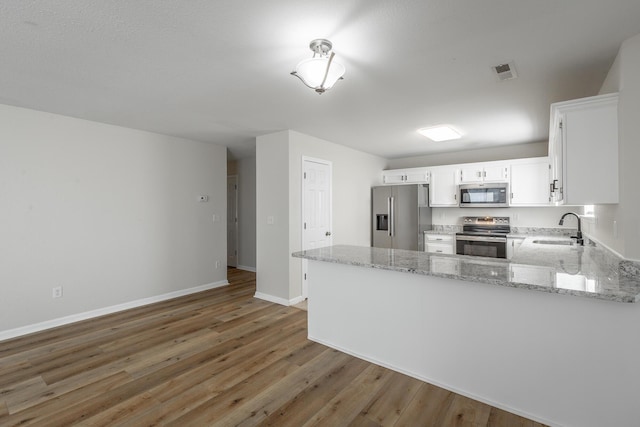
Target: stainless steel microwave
x=488 y=195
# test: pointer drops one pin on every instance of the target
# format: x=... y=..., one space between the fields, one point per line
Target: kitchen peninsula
x=482 y=328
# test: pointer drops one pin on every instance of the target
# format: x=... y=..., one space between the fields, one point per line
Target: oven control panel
x=486 y=220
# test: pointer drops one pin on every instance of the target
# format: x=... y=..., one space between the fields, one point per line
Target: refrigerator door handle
x=392 y=220
x=389 y=215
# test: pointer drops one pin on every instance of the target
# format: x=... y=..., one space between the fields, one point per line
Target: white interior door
x=316 y=208
x=232 y=221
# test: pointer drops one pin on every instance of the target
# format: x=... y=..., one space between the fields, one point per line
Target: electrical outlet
x=57 y=292
x=217 y=264
x=214 y=218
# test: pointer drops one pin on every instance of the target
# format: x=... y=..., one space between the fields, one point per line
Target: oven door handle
x=482 y=239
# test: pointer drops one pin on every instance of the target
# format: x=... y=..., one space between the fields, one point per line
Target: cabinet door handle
x=438 y=250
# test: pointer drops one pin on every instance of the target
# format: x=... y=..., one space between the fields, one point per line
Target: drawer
x=438 y=238
x=439 y=248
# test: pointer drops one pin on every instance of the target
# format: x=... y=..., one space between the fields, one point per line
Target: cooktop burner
x=485 y=226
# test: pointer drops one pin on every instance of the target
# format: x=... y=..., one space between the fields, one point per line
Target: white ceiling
x=218 y=70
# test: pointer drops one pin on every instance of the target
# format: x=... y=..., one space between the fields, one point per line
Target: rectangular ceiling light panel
x=440 y=133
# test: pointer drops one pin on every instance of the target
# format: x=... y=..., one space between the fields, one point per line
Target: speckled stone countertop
x=586 y=271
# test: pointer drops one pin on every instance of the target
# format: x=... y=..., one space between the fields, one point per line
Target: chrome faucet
x=578 y=236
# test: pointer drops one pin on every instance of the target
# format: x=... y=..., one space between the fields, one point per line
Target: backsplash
x=529 y=217
x=536 y=231
x=544 y=231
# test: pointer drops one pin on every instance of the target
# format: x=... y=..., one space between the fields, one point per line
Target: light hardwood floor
x=219 y=357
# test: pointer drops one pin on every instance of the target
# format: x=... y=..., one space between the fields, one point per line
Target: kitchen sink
x=554 y=242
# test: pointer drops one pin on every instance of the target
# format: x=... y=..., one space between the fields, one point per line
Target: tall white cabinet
x=583 y=148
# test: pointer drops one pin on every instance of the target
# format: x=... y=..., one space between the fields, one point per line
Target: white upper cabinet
x=443 y=188
x=406 y=176
x=530 y=182
x=479 y=173
x=583 y=149
x=528 y=179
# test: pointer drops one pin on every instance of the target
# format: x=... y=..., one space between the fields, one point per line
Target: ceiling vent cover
x=505 y=71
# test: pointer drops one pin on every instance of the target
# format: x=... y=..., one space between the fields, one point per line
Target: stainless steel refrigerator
x=401 y=214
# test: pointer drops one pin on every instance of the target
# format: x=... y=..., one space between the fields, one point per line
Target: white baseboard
x=246 y=268
x=48 y=324
x=278 y=300
x=432 y=382
x=296 y=300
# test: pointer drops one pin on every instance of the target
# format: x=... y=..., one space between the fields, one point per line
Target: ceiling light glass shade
x=320 y=72
x=440 y=133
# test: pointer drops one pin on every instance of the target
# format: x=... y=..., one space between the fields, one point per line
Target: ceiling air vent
x=505 y=71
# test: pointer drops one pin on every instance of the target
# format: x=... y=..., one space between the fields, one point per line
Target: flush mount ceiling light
x=320 y=72
x=440 y=133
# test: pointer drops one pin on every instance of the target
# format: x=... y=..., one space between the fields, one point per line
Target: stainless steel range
x=483 y=236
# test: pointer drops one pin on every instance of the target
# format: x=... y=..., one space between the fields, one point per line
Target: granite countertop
x=587 y=271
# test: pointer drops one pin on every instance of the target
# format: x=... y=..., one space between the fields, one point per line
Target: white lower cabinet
x=513 y=243
x=439 y=243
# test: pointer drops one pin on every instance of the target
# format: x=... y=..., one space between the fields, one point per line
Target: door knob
x=328 y=233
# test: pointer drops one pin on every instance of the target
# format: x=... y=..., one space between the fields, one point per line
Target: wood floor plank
x=218 y=357
x=465 y=412
x=426 y=407
x=265 y=400
x=216 y=408
x=17 y=394
x=387 y=405
x=147 y=361
x=349 y=402
x=498 y=417
x=227 y=374
x=45 y=407
x=306 y=403
x=121 y=412
x=4 y=411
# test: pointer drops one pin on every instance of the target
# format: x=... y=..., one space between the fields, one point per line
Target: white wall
x=354 y=173
x=246 y=170
x=279 y=191
x=508 y=152
x=272 y=201
x=109 y=213
x=617 y=225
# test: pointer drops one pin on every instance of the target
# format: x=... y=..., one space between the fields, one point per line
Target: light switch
x=271 y=220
